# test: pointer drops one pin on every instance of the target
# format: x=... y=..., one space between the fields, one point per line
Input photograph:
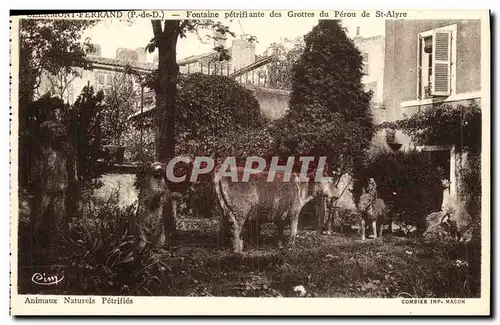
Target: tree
x=165 y=40
x=60 y=82
x=121 y=99
x=329 y=109
x=284 y=55
x=45 y=45
x=50 y=45
x=85 y=136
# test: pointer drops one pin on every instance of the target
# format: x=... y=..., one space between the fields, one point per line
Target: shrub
x=471 y=191
x=99 y=257
x=413 y=177
x=330 y=111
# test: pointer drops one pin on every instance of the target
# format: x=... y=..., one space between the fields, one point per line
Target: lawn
x=336 y=265
x=327 y=266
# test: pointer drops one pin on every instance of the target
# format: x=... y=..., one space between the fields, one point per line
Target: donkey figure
x=372 y=210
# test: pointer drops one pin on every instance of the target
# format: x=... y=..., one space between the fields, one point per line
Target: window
x=435 y=62
x=109 y=80
x=104 y=80
x=101 y=77
x=365 y=63
x=372 y=86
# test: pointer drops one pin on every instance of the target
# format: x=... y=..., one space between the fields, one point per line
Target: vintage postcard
x=245 y=162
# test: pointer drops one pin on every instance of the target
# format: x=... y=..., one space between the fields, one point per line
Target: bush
x=413 y=177
x=471 y=190
x=329 y=111
x=98 y=257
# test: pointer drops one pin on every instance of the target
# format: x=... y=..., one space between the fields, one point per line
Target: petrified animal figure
x=241 y=202
x=51 y=183
x=372 y=210
x=154 y=196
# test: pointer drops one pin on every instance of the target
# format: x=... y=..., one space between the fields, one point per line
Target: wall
x=120 y=186
x=374 y=46
x=273 y=102
x=400 y=72
x=374 y=78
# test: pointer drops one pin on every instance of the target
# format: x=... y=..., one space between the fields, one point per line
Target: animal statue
x=453 y=217
x=51 y=184
x=151 y=222
x=372 y=211
x=259 y=200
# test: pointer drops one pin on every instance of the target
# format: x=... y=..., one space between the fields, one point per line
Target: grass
x=326 y=266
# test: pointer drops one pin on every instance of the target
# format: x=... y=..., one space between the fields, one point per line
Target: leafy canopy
x=329 y=108
x=52 y=45
x=284 y=55
x=86 y=133
x=445 y=124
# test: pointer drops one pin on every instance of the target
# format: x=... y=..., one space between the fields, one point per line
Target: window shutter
x=419 y=67
x=441 y=66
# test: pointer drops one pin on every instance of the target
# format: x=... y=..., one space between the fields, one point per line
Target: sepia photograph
x=271 y=154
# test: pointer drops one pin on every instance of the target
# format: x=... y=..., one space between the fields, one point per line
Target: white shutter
x=419 y=67
x=441 y=63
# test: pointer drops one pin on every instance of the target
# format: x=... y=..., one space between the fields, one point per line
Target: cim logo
x=46 y=280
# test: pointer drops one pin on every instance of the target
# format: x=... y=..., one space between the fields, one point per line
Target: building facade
x=104 y=74
x=244 y=66
x=373 y=52
x=429 y=63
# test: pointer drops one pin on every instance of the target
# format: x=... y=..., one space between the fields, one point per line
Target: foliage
x=122 y=100
x=98 y=257
x=471 y=191
x=35 y=113
x=45 y=45
x=445 y=124
x=329 y=109
x=414 y=179
x=86 y=133
x=215 y=116
x=51 y=45
x=284 y=56
x=165 y=40
x=140 y=144
x=209 y=106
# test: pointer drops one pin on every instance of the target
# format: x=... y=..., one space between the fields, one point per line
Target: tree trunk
x=166 y=93
x=73 y=191
x=166 y=98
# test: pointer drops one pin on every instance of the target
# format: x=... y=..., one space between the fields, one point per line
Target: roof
x=108 y=62
x=195 y=58
x=143 y=66
x=253 y=66
x=198 y=57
